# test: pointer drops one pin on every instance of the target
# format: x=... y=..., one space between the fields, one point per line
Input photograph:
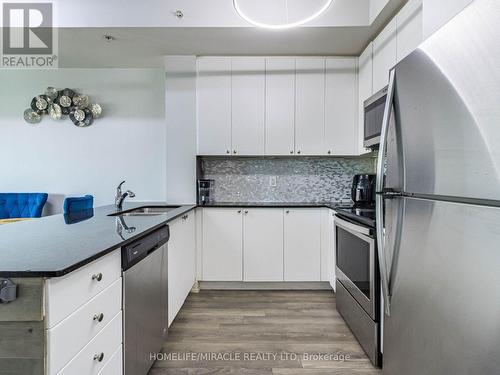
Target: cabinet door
x=263 y=244
x=181 y=262
x=248 y=91
x=341 y=107
x=280 y=106
x=365 y=90
x=302 y=255
x=214 y=106
x=310 y=106
x=384 y=55
x=328 y=246
x=409 y=28
x=222 y=244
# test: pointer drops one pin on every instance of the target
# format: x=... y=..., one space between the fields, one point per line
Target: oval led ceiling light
x=290 y=25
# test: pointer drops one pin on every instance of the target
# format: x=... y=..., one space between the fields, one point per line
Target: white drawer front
x=115 y=365
x=82 y=326
x=93 y=357
x=66 y=294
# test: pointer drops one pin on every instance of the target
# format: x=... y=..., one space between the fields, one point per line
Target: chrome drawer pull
x=99 y=317
x=97 y=277
x=99 y=357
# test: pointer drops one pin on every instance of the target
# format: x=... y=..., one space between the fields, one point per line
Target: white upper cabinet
x=248 y=101
x=365 y=90
x=263 y=244
x=302 y=243
x=341 y=107
x=280 y=106
x=409 y=28
x=214 y=106
x=310 y=106
x=384 y=55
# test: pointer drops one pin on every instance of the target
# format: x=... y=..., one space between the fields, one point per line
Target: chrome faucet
x=119 y=197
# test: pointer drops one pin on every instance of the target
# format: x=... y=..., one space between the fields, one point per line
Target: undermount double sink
x=146 y=211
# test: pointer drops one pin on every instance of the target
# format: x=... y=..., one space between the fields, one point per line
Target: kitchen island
x=66 y=317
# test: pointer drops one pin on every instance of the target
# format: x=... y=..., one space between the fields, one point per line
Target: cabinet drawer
x=82 y=326
x=115 y=364
x=93 y=357
x=66 y=294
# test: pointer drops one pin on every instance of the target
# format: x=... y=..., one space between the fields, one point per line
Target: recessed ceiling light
x=290 y=25
x=108 y=38
x=179 y=14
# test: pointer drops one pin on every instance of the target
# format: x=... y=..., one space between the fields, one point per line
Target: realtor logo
x=28 y=36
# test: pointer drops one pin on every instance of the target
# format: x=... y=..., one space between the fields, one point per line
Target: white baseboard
x=286 y=285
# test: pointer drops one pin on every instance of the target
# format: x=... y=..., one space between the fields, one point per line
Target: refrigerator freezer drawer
x=360 y=323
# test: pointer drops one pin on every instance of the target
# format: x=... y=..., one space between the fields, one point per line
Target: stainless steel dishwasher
x=145 y=300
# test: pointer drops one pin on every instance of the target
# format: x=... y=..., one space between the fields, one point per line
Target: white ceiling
x=143 y=47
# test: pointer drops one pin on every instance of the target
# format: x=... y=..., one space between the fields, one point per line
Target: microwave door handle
x=379 y=200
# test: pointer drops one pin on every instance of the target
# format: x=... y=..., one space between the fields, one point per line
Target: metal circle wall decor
x=60 y=104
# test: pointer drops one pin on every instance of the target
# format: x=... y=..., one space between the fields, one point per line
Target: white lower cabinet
x=181 y=262
x=222 y=250
x=328 y=246
x=94 y=356
x=302 y=238
x=263 y=244
x=82 y=326
x=268 y=244
x=115 y=363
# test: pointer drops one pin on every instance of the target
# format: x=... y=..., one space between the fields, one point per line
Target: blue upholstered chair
x=77 y=209
x=21 y=205
x=76 y=204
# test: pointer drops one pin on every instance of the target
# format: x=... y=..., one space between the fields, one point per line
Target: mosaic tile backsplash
x=309 y=179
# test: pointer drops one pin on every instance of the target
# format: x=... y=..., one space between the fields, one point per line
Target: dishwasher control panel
x=142 y=247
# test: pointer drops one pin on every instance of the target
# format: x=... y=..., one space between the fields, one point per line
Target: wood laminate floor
x=261 y=332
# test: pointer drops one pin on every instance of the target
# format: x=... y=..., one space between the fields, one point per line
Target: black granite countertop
x=330 y=204
x=50 y=247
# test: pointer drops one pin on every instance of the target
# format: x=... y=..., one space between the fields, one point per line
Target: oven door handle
x=352 y=227
x=379 y=199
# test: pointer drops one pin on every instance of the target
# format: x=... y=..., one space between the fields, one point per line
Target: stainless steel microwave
x=374 y=115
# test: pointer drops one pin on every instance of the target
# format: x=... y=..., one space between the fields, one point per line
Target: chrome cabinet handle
x=287 y=211
x=99 y=357
x=329 y=152
x=185 y=217
x=97 y=277
x=228 y=152
x=246 y=212
x=379 y=200
x=234 y=151
x=298 y=152
x=99 y=317
x=291 y=152
x=239 y=211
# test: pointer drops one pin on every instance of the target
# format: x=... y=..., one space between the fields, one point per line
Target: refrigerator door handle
x=379 y=199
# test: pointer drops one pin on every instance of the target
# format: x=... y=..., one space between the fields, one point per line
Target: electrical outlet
x=272 y=181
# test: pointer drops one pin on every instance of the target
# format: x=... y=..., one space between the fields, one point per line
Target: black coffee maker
x=363 y=189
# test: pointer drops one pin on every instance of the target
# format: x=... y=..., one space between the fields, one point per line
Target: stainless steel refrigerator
x=438 y=207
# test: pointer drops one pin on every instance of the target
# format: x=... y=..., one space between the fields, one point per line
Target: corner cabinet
x=277 y=106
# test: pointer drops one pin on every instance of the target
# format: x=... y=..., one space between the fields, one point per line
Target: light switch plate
x=272 y=181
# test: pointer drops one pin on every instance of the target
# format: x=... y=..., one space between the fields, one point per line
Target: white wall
x=437 y=13
x=128 y=143
x=376 y=7
x=180 y=99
